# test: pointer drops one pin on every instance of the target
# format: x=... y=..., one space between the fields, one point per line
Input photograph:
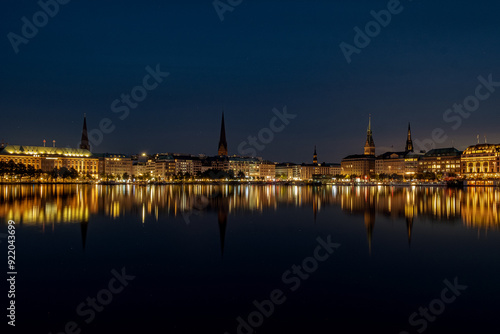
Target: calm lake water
x=196 y=258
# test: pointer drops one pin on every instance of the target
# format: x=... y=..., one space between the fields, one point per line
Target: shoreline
x=460 y=184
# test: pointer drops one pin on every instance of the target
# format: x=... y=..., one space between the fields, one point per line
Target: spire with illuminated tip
x=409 y=143
x=370 y=144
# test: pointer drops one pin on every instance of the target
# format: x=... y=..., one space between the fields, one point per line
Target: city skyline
x=369 y=147
x=425 y=61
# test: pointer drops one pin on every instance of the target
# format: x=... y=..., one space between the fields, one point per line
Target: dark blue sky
x=264 y=55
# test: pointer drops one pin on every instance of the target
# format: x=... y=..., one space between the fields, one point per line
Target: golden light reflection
x=49 y=204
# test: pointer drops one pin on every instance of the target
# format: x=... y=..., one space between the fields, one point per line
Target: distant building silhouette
x=84 y=142
x=222 y=141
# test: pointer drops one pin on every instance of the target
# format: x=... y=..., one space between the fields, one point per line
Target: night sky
x=263 y=55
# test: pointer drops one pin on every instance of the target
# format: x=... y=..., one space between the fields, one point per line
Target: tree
x=429 y=176
x=125 y=176
x=31 y=171
x=73 y=173
x=241 y=175
x=3 y=168
x=55 y=173
x=217 y=174
x=383 y=176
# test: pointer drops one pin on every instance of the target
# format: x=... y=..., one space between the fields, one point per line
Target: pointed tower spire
x=222 y=141
x=84 y=142
x=315 y=156
x=409 y=143
x=370 y=144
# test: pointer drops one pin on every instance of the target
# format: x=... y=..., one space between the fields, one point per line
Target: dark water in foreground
x=197 y=257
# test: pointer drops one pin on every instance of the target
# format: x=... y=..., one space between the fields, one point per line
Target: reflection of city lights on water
x=48 y=204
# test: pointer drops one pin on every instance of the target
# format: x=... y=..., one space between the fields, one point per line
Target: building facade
x=481 y=161
x=114 y=164
x=48 y=158
x=441 y=160
x=361 y=165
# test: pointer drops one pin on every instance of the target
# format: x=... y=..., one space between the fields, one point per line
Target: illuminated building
x=164 y=167
x=187 y=165
x=246 y=165
x=114 y=164
x=144 y=167
x=481 y=161
x=48 y=158
x=361 y=164
x=267 y=170
x=287 y=171
x=390 y=163
x=441 y=160
x=309 y=171
x=404 y=163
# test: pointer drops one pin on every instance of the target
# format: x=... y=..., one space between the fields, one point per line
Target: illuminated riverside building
x=252 y=167
x=390 y=163
x=441 y=160
x=481 y=161
x=361 y=164
x=114 y=164
x=310 y=171
x=147 y=167
x=287 y=171
x=404 y=163
x=48 y=158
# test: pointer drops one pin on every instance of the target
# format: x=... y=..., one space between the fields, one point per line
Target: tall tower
x=222 y=141
x=315 y=156
x=369 y=145
x=409 y=143
x=84 y=142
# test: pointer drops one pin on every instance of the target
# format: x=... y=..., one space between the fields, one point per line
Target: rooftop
x=443 y=152
x=42 y=150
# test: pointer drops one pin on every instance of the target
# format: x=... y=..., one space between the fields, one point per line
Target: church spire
x=370 y=144
x=84 y=142
x=315 y=156
x=409 y=143
x=222 y=140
